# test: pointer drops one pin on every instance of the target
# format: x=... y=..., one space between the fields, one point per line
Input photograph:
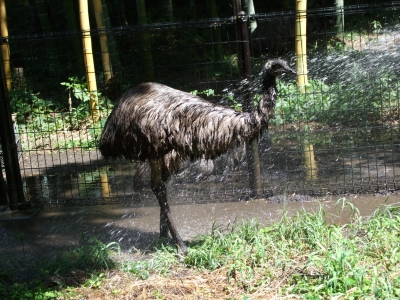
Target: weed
x=92 y=254
x=95 y=281
x=78 y=109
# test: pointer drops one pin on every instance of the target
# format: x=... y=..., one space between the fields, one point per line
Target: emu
x=165 y=126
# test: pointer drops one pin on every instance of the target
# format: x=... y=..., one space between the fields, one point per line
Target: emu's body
x=164 y=126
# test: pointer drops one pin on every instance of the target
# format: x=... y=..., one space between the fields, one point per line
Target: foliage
x=331 y=104
x=79 y=112
x=33 y=111
x=235 y=104
x=162 y=262
x=95 y=281
x=91 y=254
x=37 y=116
x=208 y=92
x=360 y=99
x=335 y=104
x=23 y=291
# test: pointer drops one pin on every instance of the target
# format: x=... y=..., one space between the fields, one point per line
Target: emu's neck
x=267 y=102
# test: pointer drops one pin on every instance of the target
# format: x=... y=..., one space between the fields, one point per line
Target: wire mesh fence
x=340 y=136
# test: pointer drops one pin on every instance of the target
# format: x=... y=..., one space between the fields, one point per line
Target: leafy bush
x=33 y=111
x=359 y=103
x=293 y=106
x=40 y=117
x=79 y=113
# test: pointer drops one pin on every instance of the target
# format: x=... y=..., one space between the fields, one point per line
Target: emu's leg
x=160 y=190
x=164 y=227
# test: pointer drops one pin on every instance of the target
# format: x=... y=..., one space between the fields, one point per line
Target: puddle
x=135 y=227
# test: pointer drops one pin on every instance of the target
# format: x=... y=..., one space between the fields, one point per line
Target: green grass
x=320 y=260
x=339 y=103
x=307 y=255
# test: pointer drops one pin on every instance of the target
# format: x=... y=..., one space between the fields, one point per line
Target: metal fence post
x=9 y=146
x=237 y=7
x=252 y=152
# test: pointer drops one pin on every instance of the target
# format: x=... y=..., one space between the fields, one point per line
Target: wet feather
x=153 y=120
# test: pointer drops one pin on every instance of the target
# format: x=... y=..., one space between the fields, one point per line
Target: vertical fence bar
x=3 y=191
x=9 y=146
x=252 y=152
x=237 y=6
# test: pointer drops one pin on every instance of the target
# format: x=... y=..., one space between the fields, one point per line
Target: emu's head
x=277 y=67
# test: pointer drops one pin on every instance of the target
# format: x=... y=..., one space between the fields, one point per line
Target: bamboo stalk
x=105 y=186
x=145 y=42
x=301 y=46
x=75 y=42
x=105 y=56
x=339 y=18
x=45 y=22
x=252 y=150
x=310 y=164
x=249 y=4
x=10 y=148
x=89 y=62
x=121 y=13
x=285 y=4
x=216 y=32
x=168 y=11
x=192 y=9
x=5 y=50
x=112 y=46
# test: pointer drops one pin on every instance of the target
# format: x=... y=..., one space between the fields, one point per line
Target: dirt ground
x=182 y=283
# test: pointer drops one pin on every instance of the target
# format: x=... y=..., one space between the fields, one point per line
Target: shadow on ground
x=25 y=243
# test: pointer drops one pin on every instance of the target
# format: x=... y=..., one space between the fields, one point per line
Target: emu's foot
x=165 y=240
x=182 y=249
x=169 y=241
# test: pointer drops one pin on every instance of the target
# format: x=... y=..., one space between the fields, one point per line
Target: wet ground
x=30 y=238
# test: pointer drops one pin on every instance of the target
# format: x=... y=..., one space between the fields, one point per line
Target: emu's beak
x=291 y=71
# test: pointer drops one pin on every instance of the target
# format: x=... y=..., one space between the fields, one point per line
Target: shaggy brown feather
x=155 y=121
